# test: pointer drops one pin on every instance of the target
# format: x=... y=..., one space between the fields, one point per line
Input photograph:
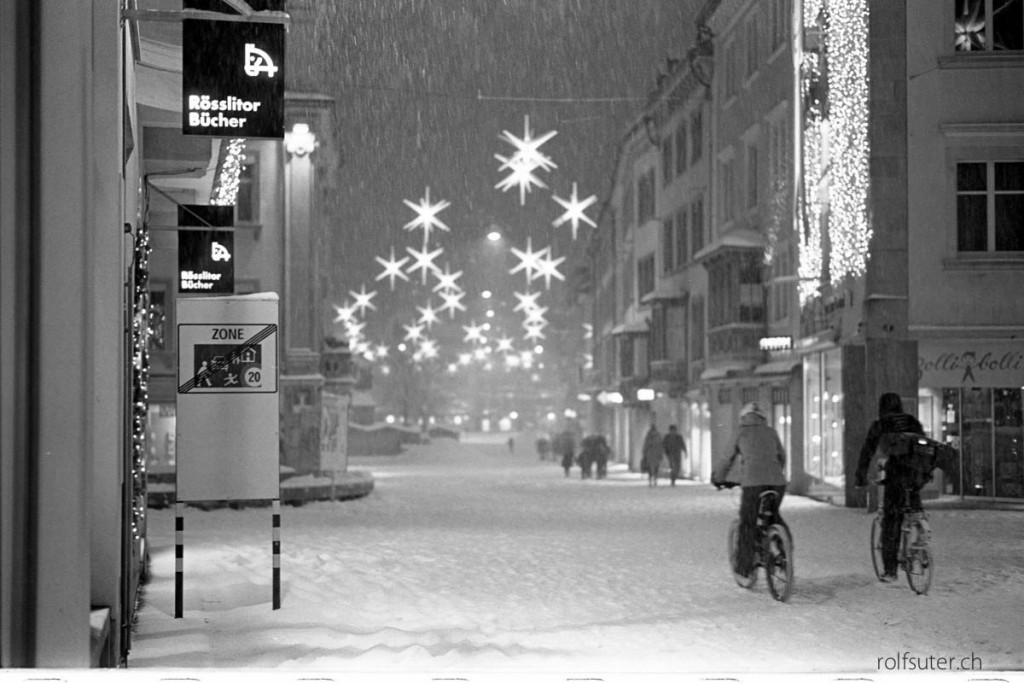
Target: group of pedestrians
x=592 y=457
x=671 y=447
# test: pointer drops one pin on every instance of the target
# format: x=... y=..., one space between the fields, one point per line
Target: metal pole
x=179 y=557
x=276 y=549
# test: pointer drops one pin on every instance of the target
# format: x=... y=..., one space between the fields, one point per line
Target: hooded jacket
x=759 y=449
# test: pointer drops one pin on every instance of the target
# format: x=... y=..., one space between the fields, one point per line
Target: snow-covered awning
x=723 y=371
x=737 y=239
x=638 y=327
x=664 y=291
x=777 y=367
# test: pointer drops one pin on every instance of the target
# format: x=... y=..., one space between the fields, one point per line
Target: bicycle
x=914 y=556
x=773 y=548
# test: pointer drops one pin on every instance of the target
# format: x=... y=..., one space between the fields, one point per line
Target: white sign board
x=227 y=429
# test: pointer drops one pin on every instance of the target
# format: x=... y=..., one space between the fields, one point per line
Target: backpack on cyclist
x=915 y=455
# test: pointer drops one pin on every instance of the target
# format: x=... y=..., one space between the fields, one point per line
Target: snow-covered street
x=468 y=558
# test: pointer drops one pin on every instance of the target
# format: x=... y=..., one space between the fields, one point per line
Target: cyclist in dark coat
x=763 y=468
x=898 y=477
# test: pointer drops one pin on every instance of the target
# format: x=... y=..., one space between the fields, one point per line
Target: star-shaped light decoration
x=413 y=332
x=382 y=351
x=574 y=211
x=534 y=332
x=465 y=358
x=426 y=216
x=354 y=330
x=527 y=301
x=526 y=158
x=474 y=333
x=538 y=322
x=428 y=315
x=536 y=314
x=446 y=281
x=424 y=261
x=362 y=298
x=427 y=349
x=452 y=301
x=345 y=312
x=547 y=268
x=505 y=344
x=529 y=260
x=392 y=268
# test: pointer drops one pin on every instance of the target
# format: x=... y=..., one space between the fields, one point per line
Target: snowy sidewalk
x=467 y=558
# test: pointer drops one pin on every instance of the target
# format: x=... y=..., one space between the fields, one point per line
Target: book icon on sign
x=257 y=61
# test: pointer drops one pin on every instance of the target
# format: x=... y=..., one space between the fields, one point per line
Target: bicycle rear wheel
x=876 y=547
x=920 y=563
x=779 y=562
x=734 y=544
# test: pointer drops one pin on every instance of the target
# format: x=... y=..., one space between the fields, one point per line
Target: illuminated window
x=988 y=25
x=989 y=206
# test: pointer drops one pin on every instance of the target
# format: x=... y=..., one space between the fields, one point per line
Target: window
x=778 y=152
x=988 y=25
x=781 y=291
x=697 y=225
x=247 y=202
x=682 y=237
x=737 y=293
x=697 y=328
x=731 y=80
x=753 y=55
x=696 y=136
x=779 y=25
x=990 y=206
x=752 y=175
x=646 y=198
x=681 y=152
x=667 y=168
x=727 y=175
x=675 y=331
x=668 y=251
x=645 y=276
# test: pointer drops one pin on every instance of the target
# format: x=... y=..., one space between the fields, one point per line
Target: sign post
x=227 y=429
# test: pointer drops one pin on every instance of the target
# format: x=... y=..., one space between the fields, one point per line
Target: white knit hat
x=751 y=408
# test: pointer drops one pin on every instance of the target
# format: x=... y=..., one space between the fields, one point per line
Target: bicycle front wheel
x=779 y=562
x=876 y=547
x=734 y=544
x=920 y=564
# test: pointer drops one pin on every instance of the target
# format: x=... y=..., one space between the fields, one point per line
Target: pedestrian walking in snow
x=565 y=446
x=601 y=453
x=653 y=452
x=894 y=473
x=674 y=447
x=762 y=468
x=511 y=444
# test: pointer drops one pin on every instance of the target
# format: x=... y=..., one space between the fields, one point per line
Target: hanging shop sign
x=227 y=433
x=232 y=74
x=206 y=262
x=979 y=363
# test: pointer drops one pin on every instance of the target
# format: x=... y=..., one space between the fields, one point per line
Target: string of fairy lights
x=836 y=122
x=142 y=325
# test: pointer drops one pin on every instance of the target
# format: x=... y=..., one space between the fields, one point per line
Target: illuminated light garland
x=849 y=230
x=141 y=333
x=225 y=190
x=811 y=258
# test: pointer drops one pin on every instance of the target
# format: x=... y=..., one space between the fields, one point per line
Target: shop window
x=681 y=151
x=988 y=25
x=823 y=423
x=989 y=204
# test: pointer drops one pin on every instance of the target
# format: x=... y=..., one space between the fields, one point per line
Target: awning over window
x=778 y=367
x=639 y=327
x=723 y=371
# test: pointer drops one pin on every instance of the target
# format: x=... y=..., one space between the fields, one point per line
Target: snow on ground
x=467 y=558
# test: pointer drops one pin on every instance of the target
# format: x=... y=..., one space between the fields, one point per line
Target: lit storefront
x=970 y=397
x=823 y=418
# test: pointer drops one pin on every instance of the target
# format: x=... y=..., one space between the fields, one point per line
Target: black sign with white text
x=233 y=74
x=206 y=262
